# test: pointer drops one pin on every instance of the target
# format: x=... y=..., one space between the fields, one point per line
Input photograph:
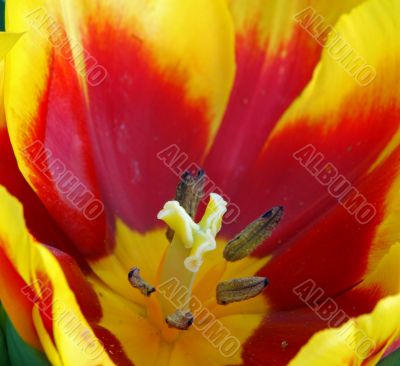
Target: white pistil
x=191 y=241
x=200 y=238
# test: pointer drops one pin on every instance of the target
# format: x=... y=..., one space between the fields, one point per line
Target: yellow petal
x=356 y=63
x=275 y=22
x=74 y=340
x=7 y=41
x=361 y=341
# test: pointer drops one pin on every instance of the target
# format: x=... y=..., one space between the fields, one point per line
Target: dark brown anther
x=180 y=319
x=240 y=289
x=253 y=235
x=189 y=193
x=138 y=282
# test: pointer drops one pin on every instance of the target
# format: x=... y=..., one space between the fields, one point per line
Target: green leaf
x=2 y=19
x=14 y=351
x=3 y=350
x=392 y=360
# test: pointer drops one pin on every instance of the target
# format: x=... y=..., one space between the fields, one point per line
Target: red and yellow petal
x=38 y=220
x=287 y=331
x=275 y=59
x=11 y=282
x=18 y=306
x=347 y=345
x=46 y=296
x=354 y=128
x=357 y=133
x=160 y=88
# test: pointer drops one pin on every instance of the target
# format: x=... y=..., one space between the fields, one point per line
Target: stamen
x=253 y=235
x=180 y=319
x=138 y=282
x=191 y=240
x=240 y=289
x=189 y=193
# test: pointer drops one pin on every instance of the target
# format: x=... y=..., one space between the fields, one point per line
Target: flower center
x=191 y=241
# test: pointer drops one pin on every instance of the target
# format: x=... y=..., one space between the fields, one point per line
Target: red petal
x=38 y=219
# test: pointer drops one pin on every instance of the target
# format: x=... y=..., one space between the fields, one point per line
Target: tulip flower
x=200 y=182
